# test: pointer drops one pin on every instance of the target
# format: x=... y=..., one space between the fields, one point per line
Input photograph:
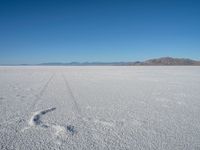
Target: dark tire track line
x=84 y=120
x=15 y=119
x=80 y=117
x=41 y=93
x=36 y=100
x=69 y=90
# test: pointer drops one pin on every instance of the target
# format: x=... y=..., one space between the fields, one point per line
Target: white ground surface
x=140 y=108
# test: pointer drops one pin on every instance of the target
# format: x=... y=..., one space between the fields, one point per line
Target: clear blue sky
x=35 y=31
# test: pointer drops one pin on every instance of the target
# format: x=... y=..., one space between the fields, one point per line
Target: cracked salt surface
x=141 y=108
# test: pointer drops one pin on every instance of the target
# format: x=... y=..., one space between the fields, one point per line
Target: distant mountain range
x=163 y=61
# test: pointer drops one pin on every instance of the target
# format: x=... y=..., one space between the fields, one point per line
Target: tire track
x=83 y=121
x=41 y=93
x=17 y=118
x=17 y=129
x=87 y=124
x=69 y=90
x=36 y=100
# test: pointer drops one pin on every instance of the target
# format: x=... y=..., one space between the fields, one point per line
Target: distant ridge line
x=163 y=61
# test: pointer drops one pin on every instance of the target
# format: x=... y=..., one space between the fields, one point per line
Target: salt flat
x=140 y=108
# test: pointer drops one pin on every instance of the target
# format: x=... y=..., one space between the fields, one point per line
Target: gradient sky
x=36 y=31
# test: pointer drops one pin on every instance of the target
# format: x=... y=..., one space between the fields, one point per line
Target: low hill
x=169 y=61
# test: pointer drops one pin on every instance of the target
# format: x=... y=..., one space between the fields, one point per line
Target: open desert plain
x=140 y=108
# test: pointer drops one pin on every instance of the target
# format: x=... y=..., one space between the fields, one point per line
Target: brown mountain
x=169 y=61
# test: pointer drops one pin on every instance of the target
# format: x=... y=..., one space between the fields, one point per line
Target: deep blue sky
x=35 y=31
